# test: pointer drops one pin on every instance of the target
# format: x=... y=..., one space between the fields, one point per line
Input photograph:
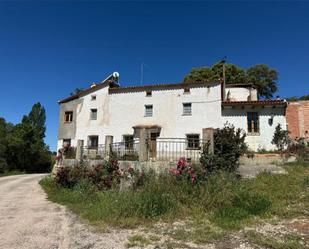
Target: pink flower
x=182 y=163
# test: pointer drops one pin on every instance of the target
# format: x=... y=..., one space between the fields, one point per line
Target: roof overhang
x=262 y=103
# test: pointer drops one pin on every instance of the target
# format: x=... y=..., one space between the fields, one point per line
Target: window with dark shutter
x=93 y=114
x=253 y=123
x=148 y=110
x=187 y=109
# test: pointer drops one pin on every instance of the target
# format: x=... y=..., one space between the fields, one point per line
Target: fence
x=158 y=149
x=127 y=150
x=171 y=149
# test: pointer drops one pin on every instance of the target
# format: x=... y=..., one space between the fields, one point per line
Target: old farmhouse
x=167 y=112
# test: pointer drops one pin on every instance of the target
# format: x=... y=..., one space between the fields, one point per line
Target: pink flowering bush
x=184 y=170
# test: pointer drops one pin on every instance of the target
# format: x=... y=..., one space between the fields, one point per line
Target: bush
x=3 y=165
x=299 y=147
x=280 y=138
x=229 y=145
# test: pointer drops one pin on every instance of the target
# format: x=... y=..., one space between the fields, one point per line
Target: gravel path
x=29 y=220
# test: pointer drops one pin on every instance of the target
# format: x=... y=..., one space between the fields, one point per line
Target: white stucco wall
x=238 y=117
x=240 y=93
x=119 y=112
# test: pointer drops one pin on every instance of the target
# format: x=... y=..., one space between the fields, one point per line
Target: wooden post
x=208 y=135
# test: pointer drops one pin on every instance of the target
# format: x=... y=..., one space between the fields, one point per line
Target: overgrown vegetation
x=281 y=138
x=229 y=145
x=210 y=199
x=22 y=146
x=225 y=200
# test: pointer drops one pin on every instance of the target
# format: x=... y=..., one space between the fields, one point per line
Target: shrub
x=184 y=170
x=280 y=138
x=299 y=147
x=3 y=165
x=229 y=145
x=62 y=178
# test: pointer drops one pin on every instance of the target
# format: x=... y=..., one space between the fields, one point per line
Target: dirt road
x=29 y=220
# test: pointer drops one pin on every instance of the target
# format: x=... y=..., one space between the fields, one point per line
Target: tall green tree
x=264 y=78
x=25 y=146
x=36 y=118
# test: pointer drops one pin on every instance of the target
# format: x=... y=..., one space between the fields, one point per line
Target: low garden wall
x=265 y=159
x=161 y=166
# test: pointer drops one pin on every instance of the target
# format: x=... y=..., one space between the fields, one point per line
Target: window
x=128 y=142
x=66 y=142
x=148 y=110
x=93 y=114
x=187 y=109
x=68 y=117
x=186 y=91
x=193 y=141
x=93 y=142
x=253 y=122
x=93 y=97
x=148 y=94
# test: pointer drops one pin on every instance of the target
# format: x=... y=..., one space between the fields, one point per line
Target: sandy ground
x=29 y=220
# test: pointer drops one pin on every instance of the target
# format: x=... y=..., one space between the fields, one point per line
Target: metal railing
x=127 y=151
x=159 y=149
x=171 y=149
x=95 y=152
x=122 y=150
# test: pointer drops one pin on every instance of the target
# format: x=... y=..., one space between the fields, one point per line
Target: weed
x=138 y=240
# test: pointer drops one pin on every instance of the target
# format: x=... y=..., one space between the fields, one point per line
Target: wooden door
x=153 y=145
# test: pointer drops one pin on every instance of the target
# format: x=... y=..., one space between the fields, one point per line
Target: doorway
x=153 y=144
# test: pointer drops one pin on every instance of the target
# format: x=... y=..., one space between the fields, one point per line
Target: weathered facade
x=167 y=111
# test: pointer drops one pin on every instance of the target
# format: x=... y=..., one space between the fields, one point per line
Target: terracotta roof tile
x=256 y=102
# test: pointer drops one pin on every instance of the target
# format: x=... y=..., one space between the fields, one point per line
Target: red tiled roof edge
x=256 y=102
x=160 y=87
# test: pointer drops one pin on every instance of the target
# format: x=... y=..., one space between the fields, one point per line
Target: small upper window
x=253 y=122
x=148 y=93
x=93 y=97
x=148 y=110
x=186 y=90
x=193 y=141
x=68 y=117
x=187 y=109
x=93 y=114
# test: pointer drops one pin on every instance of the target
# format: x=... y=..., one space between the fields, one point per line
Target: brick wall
x=297 y=117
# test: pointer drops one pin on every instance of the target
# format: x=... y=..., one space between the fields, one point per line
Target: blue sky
x=47 y=49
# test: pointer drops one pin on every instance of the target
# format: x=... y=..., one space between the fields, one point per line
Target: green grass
x=224 y=203
x=12 y=172
x=286 y=242
x=138 y=240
